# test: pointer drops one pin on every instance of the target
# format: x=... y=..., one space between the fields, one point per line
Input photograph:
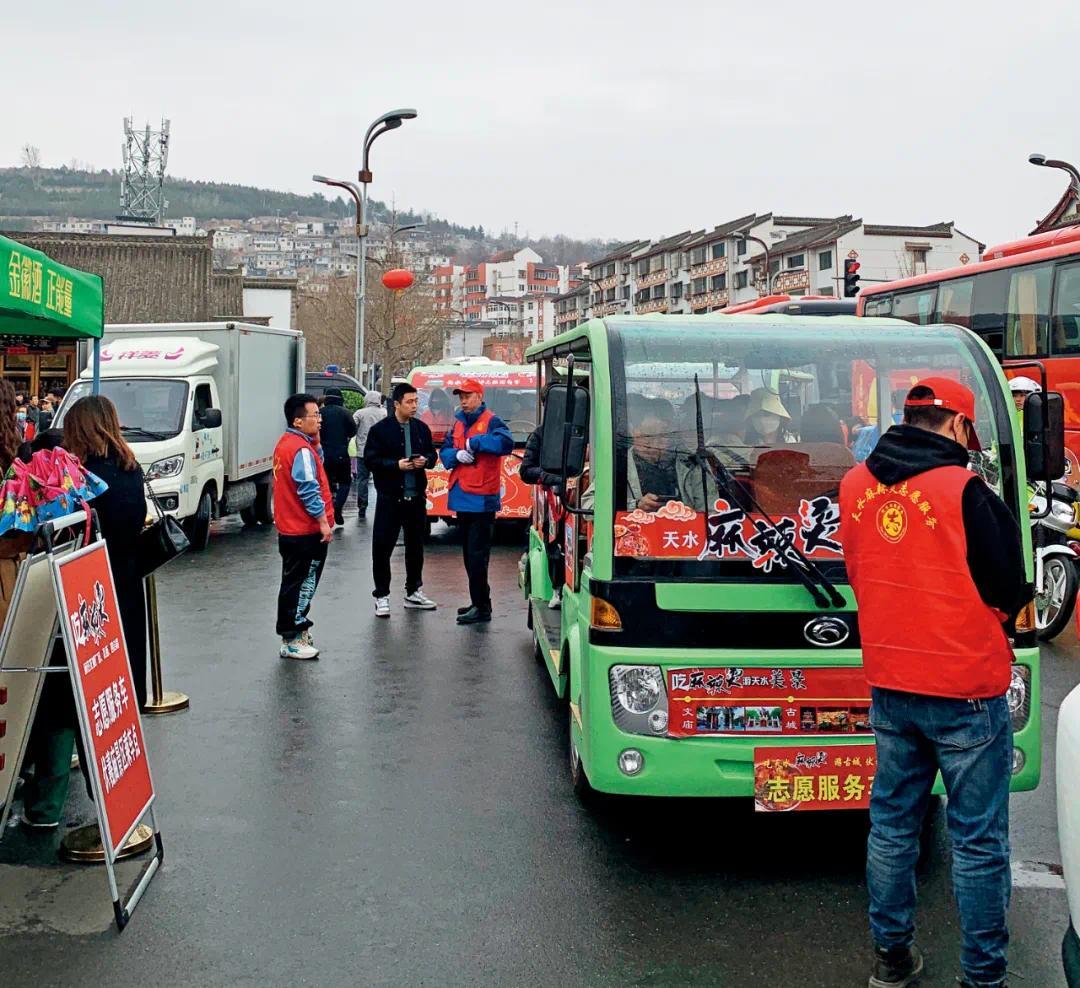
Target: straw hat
x=764 y=400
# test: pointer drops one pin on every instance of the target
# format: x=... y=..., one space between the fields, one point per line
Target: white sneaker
x=556 y=600
x=420 y=600
x=298 y=648
x=382 y=607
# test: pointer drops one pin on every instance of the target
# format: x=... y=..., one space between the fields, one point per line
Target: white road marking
x=1037 y=875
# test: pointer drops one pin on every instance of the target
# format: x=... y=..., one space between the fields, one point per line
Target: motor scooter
x=1056 y=540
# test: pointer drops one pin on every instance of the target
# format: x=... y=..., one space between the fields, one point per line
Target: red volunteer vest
x=485 y=475
x=924 y=627
x=290 y=515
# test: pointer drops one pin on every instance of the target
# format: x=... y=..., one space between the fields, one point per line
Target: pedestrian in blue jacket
x=473 y=452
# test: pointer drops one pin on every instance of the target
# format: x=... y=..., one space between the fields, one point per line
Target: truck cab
x=201 y=406
x=169 y=409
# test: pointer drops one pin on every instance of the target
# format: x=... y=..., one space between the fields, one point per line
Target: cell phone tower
x=142 y=187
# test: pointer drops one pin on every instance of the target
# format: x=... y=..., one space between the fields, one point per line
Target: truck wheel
x=264 y=504
x=197 y=526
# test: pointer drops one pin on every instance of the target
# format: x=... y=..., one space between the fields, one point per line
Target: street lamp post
x=388 y=121
x=765 y=248
x=1074 y=175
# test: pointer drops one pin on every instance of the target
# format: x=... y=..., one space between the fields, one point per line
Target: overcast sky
x=610 y=119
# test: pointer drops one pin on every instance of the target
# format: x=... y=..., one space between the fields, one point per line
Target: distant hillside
x=63 y=192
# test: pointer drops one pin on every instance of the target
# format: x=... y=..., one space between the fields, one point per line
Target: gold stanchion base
x=171 y=702
x=83 y=844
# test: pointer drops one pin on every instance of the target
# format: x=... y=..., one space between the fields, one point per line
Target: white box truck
x=201 y=405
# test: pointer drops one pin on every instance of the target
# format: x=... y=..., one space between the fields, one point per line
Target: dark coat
x=337 y=429
x=386 y=445
x=121 y=511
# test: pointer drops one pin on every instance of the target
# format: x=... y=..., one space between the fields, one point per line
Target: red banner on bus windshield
x=677 y=531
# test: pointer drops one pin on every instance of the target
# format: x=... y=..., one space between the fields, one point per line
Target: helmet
x=1023 y=385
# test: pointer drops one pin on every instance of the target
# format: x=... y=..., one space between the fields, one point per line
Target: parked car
x=352 y=391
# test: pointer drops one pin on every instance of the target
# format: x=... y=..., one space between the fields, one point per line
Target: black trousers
x=302 y=560
x=391 y=516
x=477 y=528
x=339 y=473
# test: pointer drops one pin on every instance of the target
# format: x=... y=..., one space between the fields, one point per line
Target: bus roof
x=760 y=323
x=1029 y=250
x=490 y=373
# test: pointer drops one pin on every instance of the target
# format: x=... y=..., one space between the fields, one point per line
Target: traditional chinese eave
x=1066 y=212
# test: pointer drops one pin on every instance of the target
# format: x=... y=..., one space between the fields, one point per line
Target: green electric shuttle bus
x=707 y=641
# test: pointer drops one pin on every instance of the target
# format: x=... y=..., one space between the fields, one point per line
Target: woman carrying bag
x=92 y=433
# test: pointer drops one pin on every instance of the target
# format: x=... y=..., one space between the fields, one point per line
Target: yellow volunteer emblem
x=892 y=521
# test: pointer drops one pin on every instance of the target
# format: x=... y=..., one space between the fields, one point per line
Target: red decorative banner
x=677 y=531
x=513 y=377
x=98 y=656
x=763 y=701
x=809 y=777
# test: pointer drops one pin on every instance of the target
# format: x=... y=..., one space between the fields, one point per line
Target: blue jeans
x=363 y=476
x=970 y=742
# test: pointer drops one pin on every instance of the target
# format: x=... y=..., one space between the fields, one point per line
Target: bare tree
x=403 y=329
x=326 y=314
x=30 y=156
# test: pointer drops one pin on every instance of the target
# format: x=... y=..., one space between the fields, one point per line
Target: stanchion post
x=161 y=701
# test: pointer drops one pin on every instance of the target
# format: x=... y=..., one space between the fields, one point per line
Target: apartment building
x=467 y=292
x=705 y=271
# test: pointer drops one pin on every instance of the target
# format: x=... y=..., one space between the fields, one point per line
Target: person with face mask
x=766 y=418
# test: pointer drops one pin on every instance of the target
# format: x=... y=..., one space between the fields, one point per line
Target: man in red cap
x=935 y=560
x=473 y=452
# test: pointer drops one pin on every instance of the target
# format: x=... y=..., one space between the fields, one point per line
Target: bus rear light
x=1018 y=697
x=604 y=616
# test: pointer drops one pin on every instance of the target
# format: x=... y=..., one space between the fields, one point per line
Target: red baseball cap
x=470 y=386
x=950 y=395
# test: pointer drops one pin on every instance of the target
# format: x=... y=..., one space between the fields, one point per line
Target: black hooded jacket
x=994 y=550
x=337 y=429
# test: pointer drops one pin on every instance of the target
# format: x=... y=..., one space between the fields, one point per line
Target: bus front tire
x=578 y=779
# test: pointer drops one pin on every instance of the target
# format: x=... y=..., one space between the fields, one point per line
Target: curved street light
x=388 y=121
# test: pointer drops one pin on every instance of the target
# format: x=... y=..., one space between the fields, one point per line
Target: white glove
x=464 y=456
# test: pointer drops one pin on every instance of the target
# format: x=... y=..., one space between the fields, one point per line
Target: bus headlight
x=1019 y=696
x=637 y=688
x=639 y=699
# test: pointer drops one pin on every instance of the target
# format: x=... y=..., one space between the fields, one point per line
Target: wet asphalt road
x=399 y=813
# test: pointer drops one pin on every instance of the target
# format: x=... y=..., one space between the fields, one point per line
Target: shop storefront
x=37 y=365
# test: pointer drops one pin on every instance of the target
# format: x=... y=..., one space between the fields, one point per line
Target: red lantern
x=397 y=279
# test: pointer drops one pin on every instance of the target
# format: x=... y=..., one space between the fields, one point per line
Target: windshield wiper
x=811 y=577
x=149 y=433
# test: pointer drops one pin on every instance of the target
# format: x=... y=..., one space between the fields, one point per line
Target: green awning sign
x=39 y=297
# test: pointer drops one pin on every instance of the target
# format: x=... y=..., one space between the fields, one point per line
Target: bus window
x=988 y=309
x=916 y=307
x=954 y=302
x=1066 y=317
x=878 y=305
x=1028 y=316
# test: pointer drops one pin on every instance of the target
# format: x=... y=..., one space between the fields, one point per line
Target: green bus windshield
x=787 y=408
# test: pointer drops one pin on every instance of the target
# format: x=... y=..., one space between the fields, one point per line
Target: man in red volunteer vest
x=473 y=452
x=935 y=561
x=304 y=516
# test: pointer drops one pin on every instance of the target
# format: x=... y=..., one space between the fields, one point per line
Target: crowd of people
x=91 y=432
x=324 y=450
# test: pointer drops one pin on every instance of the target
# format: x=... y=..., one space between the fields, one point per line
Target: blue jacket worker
x=473 y=451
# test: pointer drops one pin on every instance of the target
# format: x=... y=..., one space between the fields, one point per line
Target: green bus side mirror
x=565 y=433
x=1044 y=436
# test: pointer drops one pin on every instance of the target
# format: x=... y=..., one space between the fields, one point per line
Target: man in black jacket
x=532 y=473
x=337 y=429
x=398 y=451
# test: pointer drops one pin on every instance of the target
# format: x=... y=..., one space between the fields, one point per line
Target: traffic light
x=851 y=277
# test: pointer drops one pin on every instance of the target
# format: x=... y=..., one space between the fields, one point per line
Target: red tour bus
x=510 y=392
x=1022 y=298
x=794 y=305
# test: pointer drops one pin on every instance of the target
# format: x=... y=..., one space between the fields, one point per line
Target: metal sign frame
x=121 y=910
